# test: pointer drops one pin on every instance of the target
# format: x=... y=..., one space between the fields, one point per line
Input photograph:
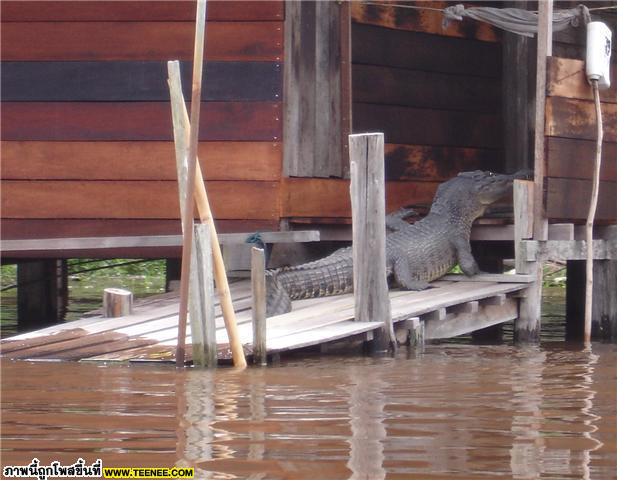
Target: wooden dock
x=454 y=306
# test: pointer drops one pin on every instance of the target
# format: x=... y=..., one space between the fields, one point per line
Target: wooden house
x=87 y=144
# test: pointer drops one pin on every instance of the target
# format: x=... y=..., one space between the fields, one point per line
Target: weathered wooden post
x=368 y=204
x=258 y=286
x=117 y=302
x=201 y=300
x=527 y=325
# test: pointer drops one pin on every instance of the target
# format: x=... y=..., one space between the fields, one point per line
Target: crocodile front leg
x=468 y=264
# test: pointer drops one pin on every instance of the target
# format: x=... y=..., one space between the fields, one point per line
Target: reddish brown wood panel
x=569 y=199
x=421 y=162
x=136 y=160
x=313 y=197
x=132 y=199
x=423 y=126
x=257 y=41
x=137 y=11
x=572 y=158
x=572 y=118
x=425 y=21
x=566 y=78
x=136 y=121
x=414 y=88
x=15 y=228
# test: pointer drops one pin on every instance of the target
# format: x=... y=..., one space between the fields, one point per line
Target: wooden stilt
x=527 y=325
x=258 y=286
x=37 y=294
x=368 y=199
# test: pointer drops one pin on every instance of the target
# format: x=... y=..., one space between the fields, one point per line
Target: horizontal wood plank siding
x=15 y=228
x=136 y=81
x=134 y=11
x=324 y=198
x=242 y=41
x=116 y=121
x=136 y=160
x=568 y=198
x=573 y=118
x=395 y=48
x=87 y=141
x=132 y=199
x=421 y=20
x=415 y=88
x=422 y=126
x=435 y=93
x=570 y=129
x=572 y=158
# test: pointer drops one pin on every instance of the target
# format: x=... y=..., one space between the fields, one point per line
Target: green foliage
x=8 y=275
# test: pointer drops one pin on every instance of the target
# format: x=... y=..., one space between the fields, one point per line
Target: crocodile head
x=467 y=195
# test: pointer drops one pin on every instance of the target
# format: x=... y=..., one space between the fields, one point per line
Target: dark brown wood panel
x=425 y=21
x=395 y=48
x=15 y=228
x=249 y=41
x=122 y=11
x=136 y=81
x=572 y=118
x=136 y=121
x=132 y=199
x=420 y=162
x=327 y=198
x=566 y=78
x=416 y=126
x=572 y=158
x=569 y=199
x=414 y=88
x=136 y=160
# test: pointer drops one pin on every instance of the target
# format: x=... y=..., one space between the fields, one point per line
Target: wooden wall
x=435 y=93
x=86 y=124
x=570 y=143
x=570 y=126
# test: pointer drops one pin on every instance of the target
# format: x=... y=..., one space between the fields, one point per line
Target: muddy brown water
x=454 y=411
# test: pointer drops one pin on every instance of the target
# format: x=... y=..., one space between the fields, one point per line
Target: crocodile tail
x=277 y=298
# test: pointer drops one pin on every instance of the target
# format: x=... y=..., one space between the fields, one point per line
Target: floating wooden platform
x=454 y=306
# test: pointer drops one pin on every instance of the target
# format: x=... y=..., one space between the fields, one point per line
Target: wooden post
x=258 y=286
x=117 y=302
x=372 y=302
x=545 y=49
x=201 y=301
x=527 y=325
x=37 y=294
x=187 y=221
x=181 y=127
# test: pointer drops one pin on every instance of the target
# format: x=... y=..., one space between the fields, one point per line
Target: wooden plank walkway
x=452 y=307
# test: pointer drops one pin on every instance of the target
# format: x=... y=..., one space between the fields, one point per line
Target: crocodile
x=416 y=254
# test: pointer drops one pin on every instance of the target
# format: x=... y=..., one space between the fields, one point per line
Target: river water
x=453 y=411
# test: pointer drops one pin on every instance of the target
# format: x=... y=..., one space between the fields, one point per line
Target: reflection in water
x=455 y=412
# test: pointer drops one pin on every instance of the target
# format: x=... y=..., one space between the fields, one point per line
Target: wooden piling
x=39 y=297
x=117 y=302
x=258 y=287
x=372 y=302
x=201 y=300
x=527 y=325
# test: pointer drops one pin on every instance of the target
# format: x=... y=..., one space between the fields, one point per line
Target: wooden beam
x=369 y=234
x=544 y=50
x=560 y=250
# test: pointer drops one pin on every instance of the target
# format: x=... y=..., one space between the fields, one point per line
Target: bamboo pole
x=205 y=214
x=591 y=216
x=187 y=221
